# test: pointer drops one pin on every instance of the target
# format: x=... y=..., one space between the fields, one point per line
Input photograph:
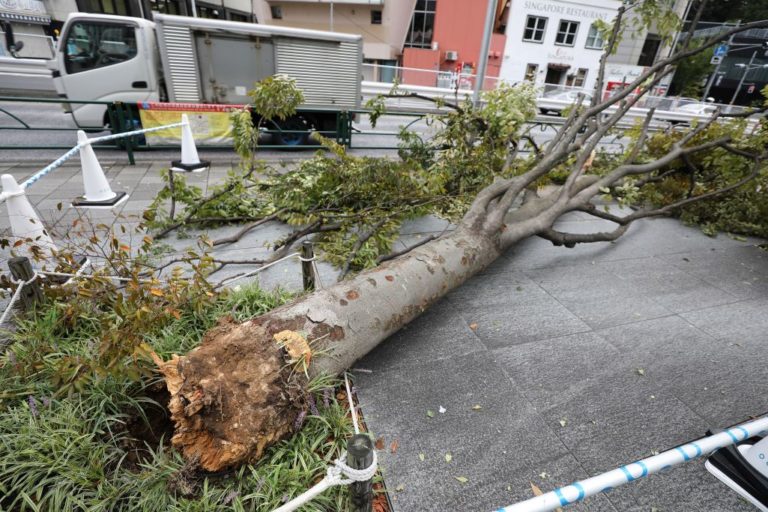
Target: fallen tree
x=242 y=389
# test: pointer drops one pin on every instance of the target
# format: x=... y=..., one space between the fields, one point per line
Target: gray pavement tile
x=669 y=286
x=438 y=333
x=741 y=271
x=488 y=446
x=501 y=325
x=599 y=312
x=511 y=287
x=551 y=372
x=429 y=224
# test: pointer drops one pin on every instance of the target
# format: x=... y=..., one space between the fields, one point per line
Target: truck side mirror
x=10 y=43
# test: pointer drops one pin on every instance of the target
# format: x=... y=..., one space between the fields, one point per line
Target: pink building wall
x=459 y=28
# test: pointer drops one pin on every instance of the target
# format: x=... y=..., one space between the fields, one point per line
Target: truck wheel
x=295 y=134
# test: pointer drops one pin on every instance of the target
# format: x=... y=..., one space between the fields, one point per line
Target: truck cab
x=105 y=58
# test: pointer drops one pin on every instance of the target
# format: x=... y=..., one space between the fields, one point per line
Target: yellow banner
x=209 y=128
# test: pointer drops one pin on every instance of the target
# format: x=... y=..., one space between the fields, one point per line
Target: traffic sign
x=721 y=51
x=715 y=60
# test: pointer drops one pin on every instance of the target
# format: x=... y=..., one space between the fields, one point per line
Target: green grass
x=74 y=451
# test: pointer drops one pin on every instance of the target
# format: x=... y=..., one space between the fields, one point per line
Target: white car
x=704 y=109
x=570 y=95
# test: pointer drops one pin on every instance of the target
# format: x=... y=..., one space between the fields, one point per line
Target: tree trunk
x=235 y=395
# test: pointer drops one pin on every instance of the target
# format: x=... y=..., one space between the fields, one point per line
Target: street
x=366 y=140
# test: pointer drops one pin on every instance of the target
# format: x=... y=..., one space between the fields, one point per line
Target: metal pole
x=743 y=77
x=714 y=73
x=331 y=16
x=307 y=271
x=360 y=456
x=484 y=48
x=21 y=269
x=194 y=8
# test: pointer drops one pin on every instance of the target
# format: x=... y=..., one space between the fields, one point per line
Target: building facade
x=443 y=41
x=555 y=43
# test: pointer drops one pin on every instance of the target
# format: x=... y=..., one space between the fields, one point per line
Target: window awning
x=25 y=18
x=552 y=65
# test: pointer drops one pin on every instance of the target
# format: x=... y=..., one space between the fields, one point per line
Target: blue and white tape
x=605 y=482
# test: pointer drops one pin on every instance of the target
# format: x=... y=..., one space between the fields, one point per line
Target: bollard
x=21 y=269
x=307 y=269
x=360 y=456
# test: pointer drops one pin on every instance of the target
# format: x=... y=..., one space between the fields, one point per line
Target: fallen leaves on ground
x=393 y=446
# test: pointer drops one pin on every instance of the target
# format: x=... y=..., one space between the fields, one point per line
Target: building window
x=594 y=39
x=422 y=25
x=236 y=16
x=578 y=79
x=535 y=27
x=649 y=51
x=277 y=12
x=530 y=72
x=215 y=13
x=165 y=6
x=121 y=7
x=375 y=17
x=566 y=34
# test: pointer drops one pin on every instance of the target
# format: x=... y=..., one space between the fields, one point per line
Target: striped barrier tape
x=606 y=482
x=72 y=152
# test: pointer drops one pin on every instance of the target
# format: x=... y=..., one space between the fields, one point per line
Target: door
x=103 y=60
x=231 y=64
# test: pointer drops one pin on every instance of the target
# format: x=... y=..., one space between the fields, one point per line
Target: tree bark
x=235 y=395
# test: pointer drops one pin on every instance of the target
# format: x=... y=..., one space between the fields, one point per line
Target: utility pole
x=331 y=15
x=484 y=49
x=747 y=69
x=194 y=8
x=717 y=68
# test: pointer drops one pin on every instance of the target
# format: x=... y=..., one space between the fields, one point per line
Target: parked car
x=569 y=95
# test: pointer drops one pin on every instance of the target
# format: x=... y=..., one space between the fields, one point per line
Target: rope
x=15 y=298
x=94 y=276
x=351 y=404
x=260 y=269
x=333 y=477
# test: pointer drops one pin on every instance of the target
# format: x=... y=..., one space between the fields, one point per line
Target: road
x=366 y=140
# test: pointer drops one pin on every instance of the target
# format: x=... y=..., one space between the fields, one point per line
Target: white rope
x=333 y=477
x=15 y=297
x=79 y=275
x=260 y=269
x=351 y=404
x=318 y=282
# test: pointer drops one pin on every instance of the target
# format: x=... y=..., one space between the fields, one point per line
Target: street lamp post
x=747 y=68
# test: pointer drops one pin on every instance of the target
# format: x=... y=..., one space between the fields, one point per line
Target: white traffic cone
x=98 y=193
x=190 y=161
x=25 y=224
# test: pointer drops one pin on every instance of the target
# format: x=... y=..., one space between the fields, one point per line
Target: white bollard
x=25 y=223
x=98 y=193
x=190 y=161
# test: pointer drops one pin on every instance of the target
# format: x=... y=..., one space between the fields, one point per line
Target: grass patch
x=103 y=445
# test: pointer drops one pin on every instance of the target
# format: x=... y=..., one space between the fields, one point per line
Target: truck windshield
x=92 y=45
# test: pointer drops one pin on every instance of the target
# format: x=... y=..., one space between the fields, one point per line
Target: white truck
x=195 y=60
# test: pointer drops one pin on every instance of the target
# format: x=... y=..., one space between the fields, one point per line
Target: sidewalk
x=553 y=365
x=557 y=364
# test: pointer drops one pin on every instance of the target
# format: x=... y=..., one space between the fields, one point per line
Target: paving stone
x=438 y=333
x=488 y=289
x=505 y=435
x=501 y=325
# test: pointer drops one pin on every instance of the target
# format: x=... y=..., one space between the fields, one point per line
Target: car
x=569 y=95
x=697 y=108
